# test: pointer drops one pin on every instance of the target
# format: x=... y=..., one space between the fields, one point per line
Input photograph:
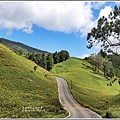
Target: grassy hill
x=88 y=88
x=20 y=46
x=24 y=93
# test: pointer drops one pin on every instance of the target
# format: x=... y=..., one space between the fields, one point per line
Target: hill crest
x=17 y=46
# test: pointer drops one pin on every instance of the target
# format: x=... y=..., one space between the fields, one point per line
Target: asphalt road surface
x=75 y=110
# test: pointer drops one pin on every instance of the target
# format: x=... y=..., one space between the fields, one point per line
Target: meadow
x=25 y=94
x=88 y=88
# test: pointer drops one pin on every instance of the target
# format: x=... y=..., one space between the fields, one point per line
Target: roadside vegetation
x=90 y=88
x=26 y=91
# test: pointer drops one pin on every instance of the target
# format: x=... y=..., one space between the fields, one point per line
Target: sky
x=53 y=25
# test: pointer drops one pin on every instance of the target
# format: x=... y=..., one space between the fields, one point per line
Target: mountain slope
x=88 y=88
x=24 y=93
x=17 y=46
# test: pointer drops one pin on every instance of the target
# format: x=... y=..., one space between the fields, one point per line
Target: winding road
x=75 y=110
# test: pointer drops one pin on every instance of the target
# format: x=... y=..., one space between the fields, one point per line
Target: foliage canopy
x=107 y=32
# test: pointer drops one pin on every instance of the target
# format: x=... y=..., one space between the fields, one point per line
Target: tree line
x=103 y=63
x=47 y=61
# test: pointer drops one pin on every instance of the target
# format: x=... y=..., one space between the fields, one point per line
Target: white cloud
x=67 y=16
x=84 y=55
x=103 y=12
x=62 y=16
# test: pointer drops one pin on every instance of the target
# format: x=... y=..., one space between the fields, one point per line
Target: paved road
x=75 y=110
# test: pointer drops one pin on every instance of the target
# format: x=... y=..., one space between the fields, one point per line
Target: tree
x=102 y=53
x=44 y=61
x=49 y=62
x=63 y=55
x=20 y=52
x=106 y=28
x=27 y=55
x=104 y=63
x=31 y=56
x=110 y=70
x=92 y=60
x=67 y=56
x=56 y=58
x=98 y=62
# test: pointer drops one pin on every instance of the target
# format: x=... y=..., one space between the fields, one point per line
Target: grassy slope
x=20 y=88
x=88 y=88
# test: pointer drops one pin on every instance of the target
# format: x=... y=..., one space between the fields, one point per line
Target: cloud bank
x=67 y=16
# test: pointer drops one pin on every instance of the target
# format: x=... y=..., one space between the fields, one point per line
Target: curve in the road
x=68 y=102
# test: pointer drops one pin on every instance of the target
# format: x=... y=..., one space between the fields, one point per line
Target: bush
x=108 y=115
x=35 y=68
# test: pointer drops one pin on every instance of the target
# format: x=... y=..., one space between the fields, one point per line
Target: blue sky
x=52 y=26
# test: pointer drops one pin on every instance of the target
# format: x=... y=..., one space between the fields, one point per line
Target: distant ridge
x=17 y=46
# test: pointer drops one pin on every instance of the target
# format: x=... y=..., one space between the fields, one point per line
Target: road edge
x=76 y=102
x=79 y=104
x=61 y=101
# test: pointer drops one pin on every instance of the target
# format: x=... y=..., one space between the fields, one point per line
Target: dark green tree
x=104 y=63
x=20 y=52
x=106 y=28
x=103 y=53
x=44 y=61
x=49 y=62
x=31 y=56
x=64 y=55
x=39 y=59
x=56 y=58
x=27 y=55
x=67 y=56
x=111 y=72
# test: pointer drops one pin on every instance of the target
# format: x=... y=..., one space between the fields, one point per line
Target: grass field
x=24 y=94
x=89 y=88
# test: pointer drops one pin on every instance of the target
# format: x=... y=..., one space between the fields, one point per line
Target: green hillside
x=24 y=93
x=89 y=88
x=20 y=46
